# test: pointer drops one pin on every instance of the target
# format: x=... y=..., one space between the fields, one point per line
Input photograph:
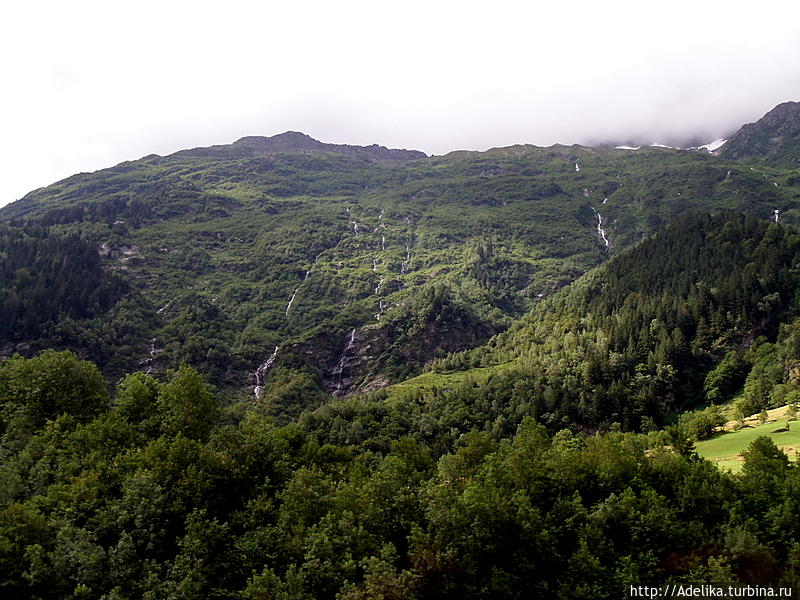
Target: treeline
x=159 y=492
x=672 y=324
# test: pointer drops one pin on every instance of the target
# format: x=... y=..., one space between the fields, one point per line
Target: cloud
x=94 y=83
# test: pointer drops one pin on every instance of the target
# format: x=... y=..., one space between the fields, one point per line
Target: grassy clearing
x=427 y=382
x=725 y=449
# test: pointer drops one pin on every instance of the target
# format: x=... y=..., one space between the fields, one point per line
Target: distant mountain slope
x=55 y=292
x=774 y=137
x=293 y=141
x=358 y=265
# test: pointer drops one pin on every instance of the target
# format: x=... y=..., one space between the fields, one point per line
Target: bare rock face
x=777 y=132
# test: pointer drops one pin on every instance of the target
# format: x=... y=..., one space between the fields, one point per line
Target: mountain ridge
x=295 y=141
x=324 y=375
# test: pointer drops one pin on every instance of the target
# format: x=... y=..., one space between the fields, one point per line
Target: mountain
x=775 y=138
x=290 y=269
x=324 y=373
x=295 y=142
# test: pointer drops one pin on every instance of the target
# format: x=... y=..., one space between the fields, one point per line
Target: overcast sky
x=88 y=84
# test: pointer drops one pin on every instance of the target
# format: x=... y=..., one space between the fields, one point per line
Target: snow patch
x=712 y=146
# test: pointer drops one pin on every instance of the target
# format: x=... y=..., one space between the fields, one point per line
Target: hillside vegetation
x=161 y=496
x=360 y=265
x=284 y=369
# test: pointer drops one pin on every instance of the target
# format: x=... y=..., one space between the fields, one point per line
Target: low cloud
x=100 y=85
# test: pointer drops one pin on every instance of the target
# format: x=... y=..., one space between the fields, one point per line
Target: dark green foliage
x=155 y=497
x=55 y=292
x=46 y=277
x=33 y=391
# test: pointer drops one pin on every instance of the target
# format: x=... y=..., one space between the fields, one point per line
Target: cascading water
x=340 y=366
x=260 y=374
x=600 y=231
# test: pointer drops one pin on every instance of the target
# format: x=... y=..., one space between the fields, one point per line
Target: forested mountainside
x=162 y=495
x=347 y=373
x=682 y=320
x=290 y=269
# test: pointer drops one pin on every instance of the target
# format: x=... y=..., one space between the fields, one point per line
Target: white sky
x=87 y=84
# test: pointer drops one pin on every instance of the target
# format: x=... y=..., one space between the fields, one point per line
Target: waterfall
x=600 y=231
x=343 y=361
x=261 y=373
x=152 y=351
x=381 y=308
x=288 y=306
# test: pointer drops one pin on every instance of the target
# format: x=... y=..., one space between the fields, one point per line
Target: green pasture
x=726 y=448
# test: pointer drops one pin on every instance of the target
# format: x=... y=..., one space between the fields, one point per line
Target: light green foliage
x=726 y=448
x=723 y=381
x=136 y=399
x=702 y=424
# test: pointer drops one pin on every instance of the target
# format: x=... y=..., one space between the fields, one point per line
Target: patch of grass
x=428 y=382
x=725 y=449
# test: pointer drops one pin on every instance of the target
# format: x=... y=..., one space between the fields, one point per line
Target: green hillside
x=679 y=321
x=290 y=243
x=726 y=449
x=284 y=369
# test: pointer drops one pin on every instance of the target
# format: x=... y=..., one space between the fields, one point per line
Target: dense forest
x=55 y=292
x=161 y=493
x=678 y=322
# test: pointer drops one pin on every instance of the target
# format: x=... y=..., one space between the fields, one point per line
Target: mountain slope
x=775 y=138
x=685 y=318
x=362 y=264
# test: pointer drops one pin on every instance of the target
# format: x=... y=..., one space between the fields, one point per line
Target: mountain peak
x=298 y=142
x=776 y=136
x=288 y=140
